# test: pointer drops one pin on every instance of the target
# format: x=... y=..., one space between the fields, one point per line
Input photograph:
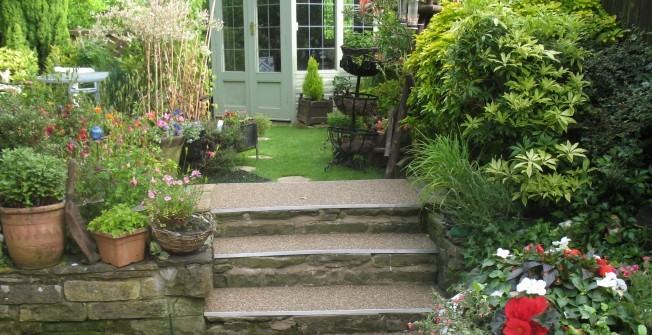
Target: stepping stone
x=293 y=179
x=245 y=168
x=263 y=138
x=260 y=156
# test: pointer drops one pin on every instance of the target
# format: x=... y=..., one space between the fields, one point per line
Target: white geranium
x=502 y=253
x=532 y=286
x=566 y=224
x=563 y=244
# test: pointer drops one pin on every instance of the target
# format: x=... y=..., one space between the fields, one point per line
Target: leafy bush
x=313 y=86
x=339 y=119
x=503 y=73
x=118 y=220
x=262 y=124
x=31 y=179
x=21 y=121
x=22 y=64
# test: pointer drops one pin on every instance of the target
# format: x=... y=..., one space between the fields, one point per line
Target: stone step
x=316 y=310
x=324 y=259
x=318 y=220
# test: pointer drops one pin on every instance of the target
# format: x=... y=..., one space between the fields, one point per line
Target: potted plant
x=171 y=131
x=312 y=107
x=171 y=205
x=359 y=53
x=120 y=234
x=32 y=192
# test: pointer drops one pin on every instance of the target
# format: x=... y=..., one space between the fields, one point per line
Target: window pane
x=316 y=33
x=269 y=36
x=233 y=33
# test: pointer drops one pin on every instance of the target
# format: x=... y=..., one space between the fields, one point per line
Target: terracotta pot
x=35 y=235
x=122 y=250
x=183 y=243
x=172 y=146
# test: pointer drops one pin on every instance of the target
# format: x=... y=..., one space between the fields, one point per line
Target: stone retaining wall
x=150 y=297
x=449 y=258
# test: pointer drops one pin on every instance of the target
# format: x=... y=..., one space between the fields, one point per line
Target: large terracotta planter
x=177 y=243
x=122 y=250
x=172 y=146
x=35 y=235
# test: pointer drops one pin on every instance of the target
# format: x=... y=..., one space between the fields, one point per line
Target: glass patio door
x=253 y=71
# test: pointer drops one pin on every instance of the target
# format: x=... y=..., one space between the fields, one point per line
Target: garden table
x=73 y=79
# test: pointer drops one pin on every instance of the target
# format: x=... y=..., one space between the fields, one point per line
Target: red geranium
x=520 y=311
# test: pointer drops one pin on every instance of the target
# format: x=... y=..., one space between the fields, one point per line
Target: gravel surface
x=396 y=192
x=280 y=243
x=322 y=298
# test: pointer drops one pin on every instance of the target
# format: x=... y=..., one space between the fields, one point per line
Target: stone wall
x=450 y=258
x=149 y=297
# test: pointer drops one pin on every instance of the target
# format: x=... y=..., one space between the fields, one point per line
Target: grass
x=302 y=152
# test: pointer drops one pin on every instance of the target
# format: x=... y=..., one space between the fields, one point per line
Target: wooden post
x=397 y=132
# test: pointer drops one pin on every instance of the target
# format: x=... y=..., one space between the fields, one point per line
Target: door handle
x=252 y=28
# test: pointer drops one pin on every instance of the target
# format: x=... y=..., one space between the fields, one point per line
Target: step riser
x=326 y=269
x=322 y=222
x=312 y=324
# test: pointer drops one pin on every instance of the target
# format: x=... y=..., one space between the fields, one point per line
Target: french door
x=251 y=59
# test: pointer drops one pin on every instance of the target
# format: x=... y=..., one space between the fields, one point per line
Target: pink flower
x=167 y=177
x=181 y=199
x=157 y=170
x=161 y=123
x=134 y=181
x=646 y=259
x=151 y=194
x=167 y=198
x=210 y=153
x=153 y=181
x=410 y=326
x=186 y=179
x=166 y=116
x=195 y=173
x=181 y=119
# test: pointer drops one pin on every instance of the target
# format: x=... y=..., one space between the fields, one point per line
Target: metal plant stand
x=351 y=145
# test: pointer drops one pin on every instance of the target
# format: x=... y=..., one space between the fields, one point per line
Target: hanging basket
x=180 y=243
x=361 y=105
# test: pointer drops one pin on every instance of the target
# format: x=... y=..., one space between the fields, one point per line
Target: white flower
x=532 y=286
x=566 y=224
x=497 y=293
x=502 y=253
x=612 y=281
x=563 y=244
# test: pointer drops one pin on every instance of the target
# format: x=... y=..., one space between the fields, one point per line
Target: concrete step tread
x=322 y=300
x=280 y=245
x=220 y=198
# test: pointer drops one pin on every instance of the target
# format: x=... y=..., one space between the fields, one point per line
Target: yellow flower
x=109 y=116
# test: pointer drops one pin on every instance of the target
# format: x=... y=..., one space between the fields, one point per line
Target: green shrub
x=313 y=86
x=118 y=220
x=262 y=124
x=21 y=122
x=22 y=64
x=31 y=179
x=341 y=120
x=487 y=68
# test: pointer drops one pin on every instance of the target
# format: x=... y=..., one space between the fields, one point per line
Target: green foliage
x=81 y=13
x=455 y=317
x=263 y=123
x=313 y=86
x=21 y=63
x=342 y=85
x=31 y=179
x=118 y=220
x=339 y=119
x=170 y=202
x=42 y=22
x=503 y=75
x=639 y=290
x=21 y=121
x=364 y=40
x=466 y=196
x=577 y=285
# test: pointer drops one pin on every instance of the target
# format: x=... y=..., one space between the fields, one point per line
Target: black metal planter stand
x=351 y=146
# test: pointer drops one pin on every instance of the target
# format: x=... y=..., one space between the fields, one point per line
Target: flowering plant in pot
x=171 y=131
x=120 y=234
x=171 y=205
x=32 y=191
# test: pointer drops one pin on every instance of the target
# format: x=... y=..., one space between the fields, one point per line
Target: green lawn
x=302 y=152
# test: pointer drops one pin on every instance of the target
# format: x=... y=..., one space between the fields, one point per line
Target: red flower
x=520 y=311
x=572 y=252
x=603 y=270
x=538 y=248
x=517 y=327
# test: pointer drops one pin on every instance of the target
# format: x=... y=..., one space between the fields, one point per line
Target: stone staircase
x=356 y=269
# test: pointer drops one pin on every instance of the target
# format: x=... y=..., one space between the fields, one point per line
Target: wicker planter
x=122 y=250
x=35 y=235
x=186 y=242
x=361 y=105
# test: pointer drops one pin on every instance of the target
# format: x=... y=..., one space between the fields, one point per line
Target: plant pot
x=313 y=111
x=172 y=146
x=122 y=250
x=361 y=66
x=35 y=235
x=180 y=243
